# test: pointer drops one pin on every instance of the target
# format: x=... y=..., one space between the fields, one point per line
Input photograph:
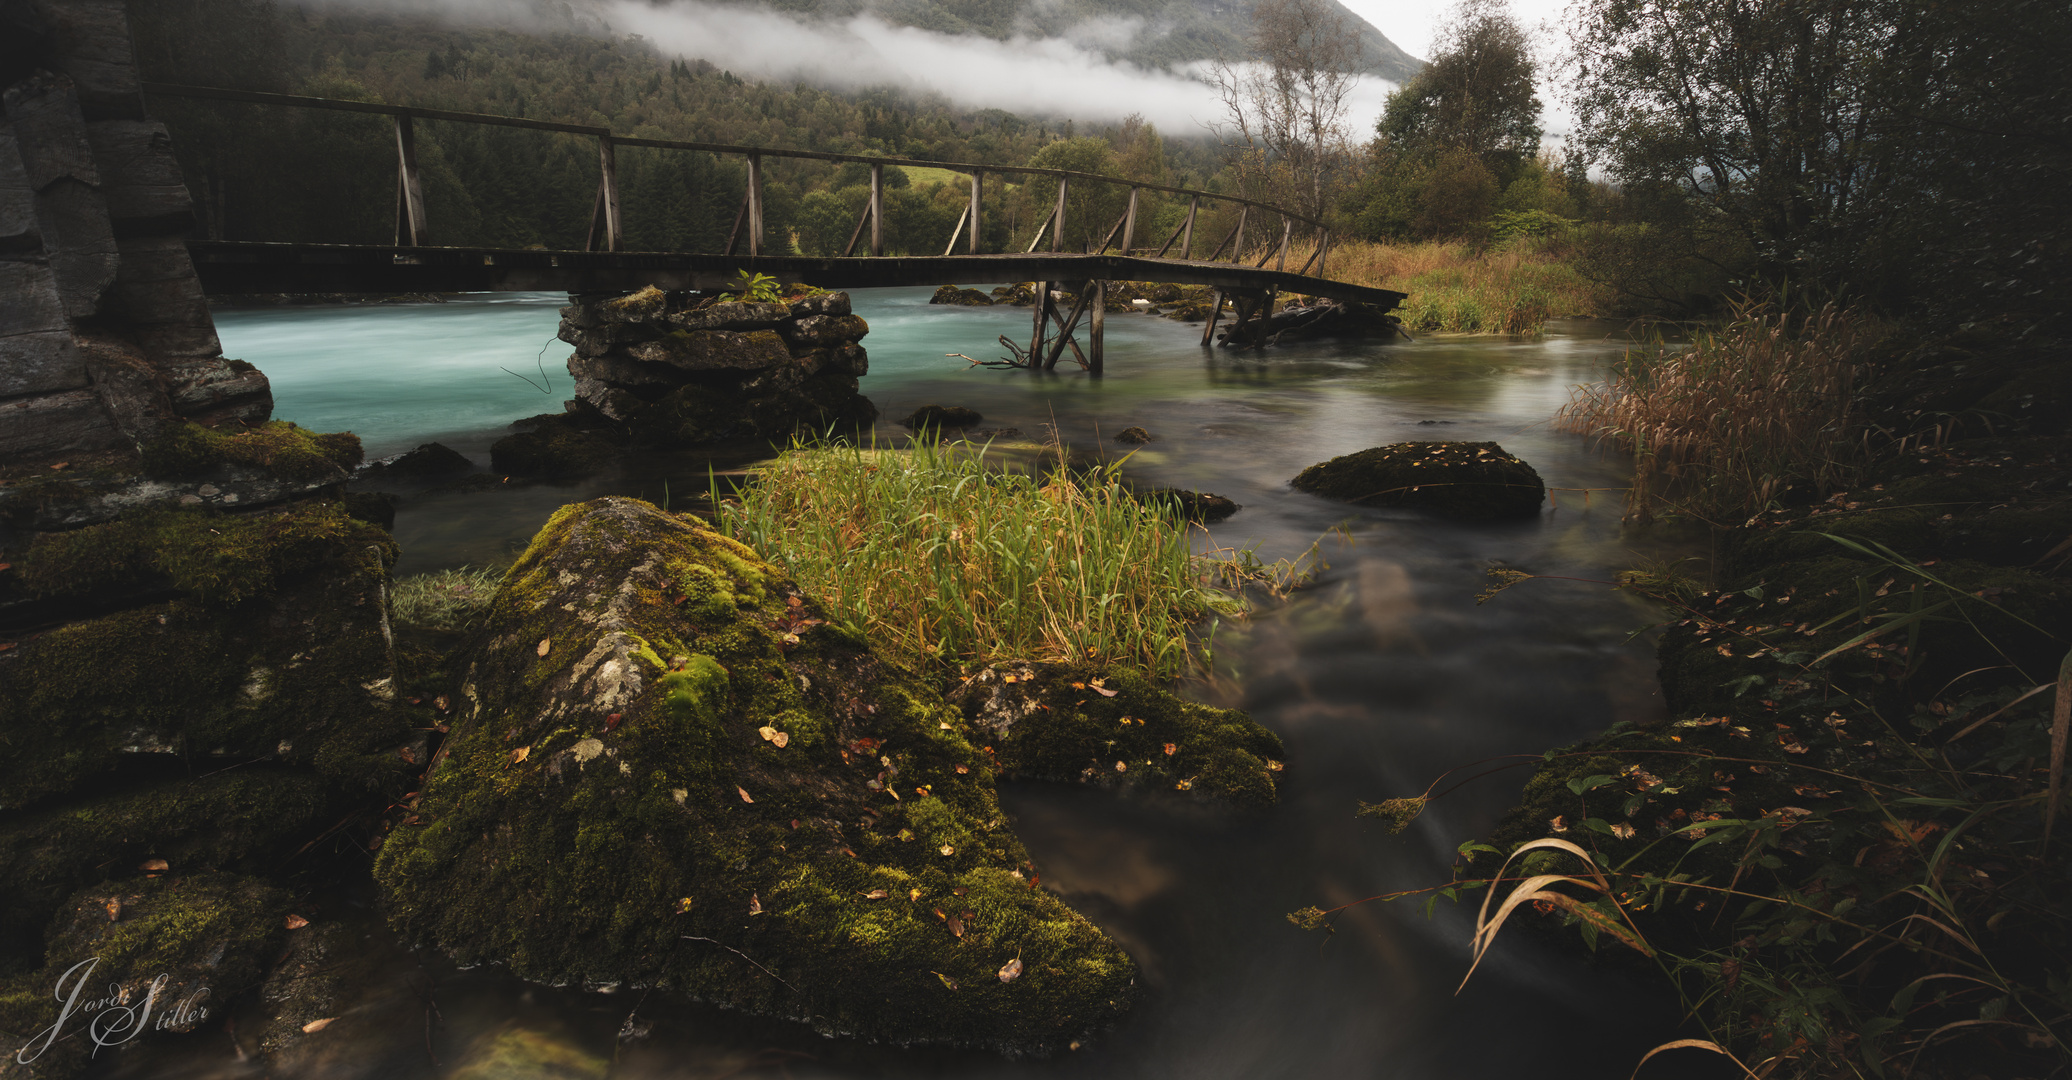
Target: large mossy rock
x=669 y=772
x=1477 y=481
x=1084 y=725
x=271 y=640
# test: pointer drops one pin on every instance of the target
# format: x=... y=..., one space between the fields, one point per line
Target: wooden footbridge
x=414 y=264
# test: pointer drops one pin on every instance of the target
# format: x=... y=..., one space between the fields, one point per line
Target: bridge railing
x=607 y=232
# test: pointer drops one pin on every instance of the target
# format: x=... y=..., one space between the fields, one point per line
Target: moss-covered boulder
x=553 y=446
x=236 y=818
x=165 y=954
x=1471 y=480
x=271 y=641
x=670 y=771
x=950 y=294
x=1115 y=729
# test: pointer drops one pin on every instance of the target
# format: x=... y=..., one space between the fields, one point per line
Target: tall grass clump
x=445 y=599
x=1456 y=287
x=1720 y=430
x=939 y=558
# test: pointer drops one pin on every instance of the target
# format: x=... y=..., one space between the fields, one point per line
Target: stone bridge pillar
x=105 y=337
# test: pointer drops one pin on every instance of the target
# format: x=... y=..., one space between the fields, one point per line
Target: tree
x=1476 y=94
x=1284 y=133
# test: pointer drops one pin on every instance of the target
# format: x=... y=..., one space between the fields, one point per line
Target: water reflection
x=1379 y=679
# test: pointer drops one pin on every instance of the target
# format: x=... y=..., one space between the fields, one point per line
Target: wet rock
x=950 y=294
x=1133 y=436
x=822 y=303
x=1470 y=480
x=1079 y=724
x=515 y=1051
x=552 y=449
x=821 y=331
x=235 y=818
x=714 y=350
x=376 y=508
x=1019 y=294
x=670 y=771
x=941 y=416
x=732 y=316
x=429 y=459
x=351 y=973
x=1192 y=505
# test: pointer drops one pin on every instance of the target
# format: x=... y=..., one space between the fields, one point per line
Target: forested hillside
x=268 y=173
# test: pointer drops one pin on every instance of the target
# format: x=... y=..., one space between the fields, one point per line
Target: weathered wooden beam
x=1066 y=326
x=856 y=234
x=977 y=217
x=1187 y=247
x=1323 y=252
x=877 y=209
x=1109 y=240
x=1129 y=223
x=1208 y=332
x=1096 y=323
x=604 y=213
x=1057 y=231
x=411 y=229
x=1038 y=238
x=755 y=204
x=1227 y=238
x=951 y=247
x=1170 y=241
x=1323 y=238
x=1287 y=233
x=1237 y=252
x=740 y=217
x=1036 y=335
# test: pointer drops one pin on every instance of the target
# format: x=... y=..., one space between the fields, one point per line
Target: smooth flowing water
x=1380 y=678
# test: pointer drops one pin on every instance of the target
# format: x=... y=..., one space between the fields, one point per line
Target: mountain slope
x=1169 y=34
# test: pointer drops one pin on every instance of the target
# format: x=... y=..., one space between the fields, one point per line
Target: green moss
x=278 y=447
x=1461 y=479
x=212 y=556
x=193 y=825
x=1055 y=722
x=577 y=854
x=512 y=1052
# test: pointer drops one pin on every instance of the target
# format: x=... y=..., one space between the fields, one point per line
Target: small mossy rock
x=1472 y=480
x=669 y=771
x=646 y=305
x=1080 y=724
x=515 y=1051
x=429 y=459
x=277 y=447
x=1133 y=436
x=821 y=303
x=823 y=331
x=770 y=408
x=1019 y=294
x=941 y=416
x=1191 y=505
x=275 y=646
x=714 y=350
x=203 y=824
x=553 y=449
x=950 y=294
x=197 y=941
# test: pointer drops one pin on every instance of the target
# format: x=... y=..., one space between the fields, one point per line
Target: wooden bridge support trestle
x=1051 y=334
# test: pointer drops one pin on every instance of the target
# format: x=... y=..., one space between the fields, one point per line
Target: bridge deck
x=229 y=267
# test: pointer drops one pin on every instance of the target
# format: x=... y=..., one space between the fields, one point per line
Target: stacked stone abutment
x=105 y=337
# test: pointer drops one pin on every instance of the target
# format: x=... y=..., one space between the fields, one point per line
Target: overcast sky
x=1410 y=24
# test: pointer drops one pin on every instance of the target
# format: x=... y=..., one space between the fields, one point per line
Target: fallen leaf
x=520 y=754
x=755 y=904
x=913 y=895
x=60 y=465
x=683 y=906
x=744 y=793
x=956 y=925
x=296 y=922
x=440 y=703
x=946 y=980
x=611 y=722
x=153 y=864
x=961 y=770
x=773 y=735
x=679 y=794
x=1274 y=766
x=906 y=834
x=1623 y=831
x=1122 y=766
x=1185 y=785
x=1011 y=970
x=948 y=850
x=1104 y=691
x=1171 y=749
x=114 y=908
x=315 y=1026
x=876 y=894
x=545 y=644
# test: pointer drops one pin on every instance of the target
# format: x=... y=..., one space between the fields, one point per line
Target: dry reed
x=1456 y=287
x=1721 y=429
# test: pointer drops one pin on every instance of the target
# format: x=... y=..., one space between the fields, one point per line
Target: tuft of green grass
x=444 y=599
x=942 y=557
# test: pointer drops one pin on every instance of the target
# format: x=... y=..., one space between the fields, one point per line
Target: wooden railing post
x=1187 y=245
x=1096 y=318
x=411 y=230
x=604 y=213
x=877 y=210
x=1129 y=224
x=1323 y=249
x=975 y=218
x=1057 y=221
x=1287 y=233
x=755 y=204
x=1237 y=253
